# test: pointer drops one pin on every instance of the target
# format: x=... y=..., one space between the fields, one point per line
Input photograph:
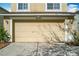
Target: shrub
x=76 y=39
x=4 y=35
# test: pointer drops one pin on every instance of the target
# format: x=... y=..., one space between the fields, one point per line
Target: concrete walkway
x=42 y=49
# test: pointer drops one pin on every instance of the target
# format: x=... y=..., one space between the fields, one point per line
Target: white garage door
x=38 y=31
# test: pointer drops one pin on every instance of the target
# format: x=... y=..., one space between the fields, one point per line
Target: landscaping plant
x=4 y=35
x=76 y=38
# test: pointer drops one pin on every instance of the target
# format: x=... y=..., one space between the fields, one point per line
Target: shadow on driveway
x=39 y=49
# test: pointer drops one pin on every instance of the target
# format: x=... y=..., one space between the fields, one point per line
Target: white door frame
x=11 y=30
x=66 y=30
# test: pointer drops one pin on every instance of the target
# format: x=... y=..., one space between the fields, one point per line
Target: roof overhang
x=38 y=14
x=2 y=10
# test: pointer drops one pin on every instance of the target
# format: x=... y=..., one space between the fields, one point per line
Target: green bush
x=76 y=38
x=75 y=41
x=4 y=35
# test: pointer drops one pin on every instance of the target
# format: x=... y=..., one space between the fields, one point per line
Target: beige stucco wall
x=64 y=7
x=7 y=25
x=74 y=25
x=13 y=7
x=37 y=7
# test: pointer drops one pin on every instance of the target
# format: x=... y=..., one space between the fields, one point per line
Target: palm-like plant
x=4 y=35
x=76 y=38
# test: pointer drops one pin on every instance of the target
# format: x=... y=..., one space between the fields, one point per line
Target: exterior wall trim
x=66 y=30
x=11 y=29
x=36 y=14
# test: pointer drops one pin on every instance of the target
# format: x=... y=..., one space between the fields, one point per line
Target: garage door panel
x=30 y=40
x=28 y=35
x=37 y=31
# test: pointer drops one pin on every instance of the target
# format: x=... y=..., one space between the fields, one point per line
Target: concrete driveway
x=18 y=49
x=41 y=49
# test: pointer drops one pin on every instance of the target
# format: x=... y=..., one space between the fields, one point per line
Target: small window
x=49 y=5
x=22 y=6
x=56 y=6
x=53 y=6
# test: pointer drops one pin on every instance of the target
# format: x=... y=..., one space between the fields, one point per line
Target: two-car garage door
x=38 y=31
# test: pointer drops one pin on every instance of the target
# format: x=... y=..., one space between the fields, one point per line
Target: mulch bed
x=72 y=43
x=2 y=45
